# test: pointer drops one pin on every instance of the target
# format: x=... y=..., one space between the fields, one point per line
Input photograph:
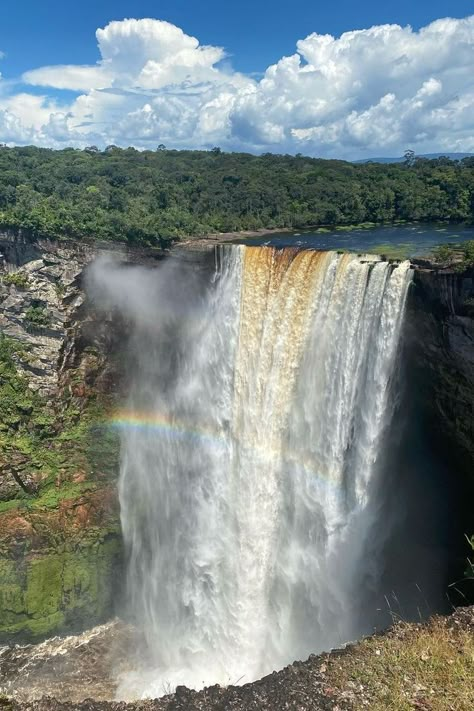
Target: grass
x=392 y=251
x=428 y=667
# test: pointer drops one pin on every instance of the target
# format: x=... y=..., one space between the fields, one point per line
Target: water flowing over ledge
x=251 y=451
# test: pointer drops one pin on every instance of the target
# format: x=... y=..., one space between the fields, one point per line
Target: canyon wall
x=60 y=376
x=441 y=324
x=60 y=548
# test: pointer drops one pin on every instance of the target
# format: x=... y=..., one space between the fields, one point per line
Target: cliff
x=59 y=532
x=60 y=376
x=441 y=317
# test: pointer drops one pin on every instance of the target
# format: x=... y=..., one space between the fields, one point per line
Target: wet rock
x=441 y=317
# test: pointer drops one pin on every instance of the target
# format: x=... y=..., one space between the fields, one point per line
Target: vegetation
x=19 y=279
x=61 y=589
x=429 y=667
x=460 y=257
x=22 y=413
x=59 y=533
x=154 y=197
x=43 y=444
x=469 y=572
x=37 y=317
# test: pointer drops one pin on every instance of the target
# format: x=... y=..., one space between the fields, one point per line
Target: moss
x=59 y=547
x=58 y=591
x=44 y=587
x=9 y=505
x=11 y=590
x=52 y=496
x=87 y=582
x=50 y=440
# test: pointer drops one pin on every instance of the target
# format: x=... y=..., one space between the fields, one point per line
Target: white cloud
x=75 y=78
x=369 y=91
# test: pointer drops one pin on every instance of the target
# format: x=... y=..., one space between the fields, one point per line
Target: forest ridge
x=152 y=197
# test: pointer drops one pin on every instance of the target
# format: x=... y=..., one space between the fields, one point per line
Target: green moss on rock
x=58 y=591
x=60 y=543
x=43 y=586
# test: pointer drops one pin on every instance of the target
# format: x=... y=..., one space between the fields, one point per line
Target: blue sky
x=356 y=96
x=255 y=33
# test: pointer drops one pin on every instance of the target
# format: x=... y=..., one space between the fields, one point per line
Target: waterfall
x=251 y=448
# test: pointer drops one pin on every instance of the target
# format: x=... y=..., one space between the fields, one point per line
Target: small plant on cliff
x=469 y=572
x=18 y=279
x=60 y=289
x=37 y=317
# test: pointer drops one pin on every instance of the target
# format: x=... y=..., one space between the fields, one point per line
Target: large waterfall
x=252 y=444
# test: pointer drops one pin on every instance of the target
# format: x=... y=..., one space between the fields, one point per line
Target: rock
x=60 y=546
x=442 y=331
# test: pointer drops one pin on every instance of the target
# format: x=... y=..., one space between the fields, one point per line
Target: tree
x=137 y=195
x=409 y=158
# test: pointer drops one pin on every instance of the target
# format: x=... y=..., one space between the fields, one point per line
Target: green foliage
x=19 y=279
x=56 y=578
x=390 y=251
x=444 y=253
x=37 y=317
x=17 y=402
x=48 y=440
x=154 y=197
x=461 y=256
x=60 y=289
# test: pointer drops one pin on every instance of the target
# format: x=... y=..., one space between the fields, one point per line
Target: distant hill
x=430 y=156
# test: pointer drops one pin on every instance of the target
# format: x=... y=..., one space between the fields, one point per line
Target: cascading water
x=251 y=446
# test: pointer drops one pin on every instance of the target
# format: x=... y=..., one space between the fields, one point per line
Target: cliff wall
x=60 y=377
x=60 y=549
x=441 y=328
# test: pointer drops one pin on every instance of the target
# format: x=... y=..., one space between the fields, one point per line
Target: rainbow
x=164 y=425
x=161 y=424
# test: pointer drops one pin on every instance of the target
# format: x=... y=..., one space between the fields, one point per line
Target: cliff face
x=441 y=328
x=60 y=375
x=59 y=532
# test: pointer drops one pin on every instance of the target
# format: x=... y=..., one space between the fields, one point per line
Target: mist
x=261 y=432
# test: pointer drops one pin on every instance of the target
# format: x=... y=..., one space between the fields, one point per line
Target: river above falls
x=394 y=241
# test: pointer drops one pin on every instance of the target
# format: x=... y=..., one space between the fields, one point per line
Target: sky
x=338 y=79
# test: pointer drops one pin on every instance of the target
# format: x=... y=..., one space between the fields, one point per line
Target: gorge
x=286 y=419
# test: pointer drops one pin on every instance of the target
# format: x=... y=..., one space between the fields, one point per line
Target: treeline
x=152 y=197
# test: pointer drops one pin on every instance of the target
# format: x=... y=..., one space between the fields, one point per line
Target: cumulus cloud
x=368 y=91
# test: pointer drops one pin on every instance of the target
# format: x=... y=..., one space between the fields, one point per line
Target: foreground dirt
x=429 y=667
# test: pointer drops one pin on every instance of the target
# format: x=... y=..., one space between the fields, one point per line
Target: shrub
x=37 y=317
x=18 y=279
